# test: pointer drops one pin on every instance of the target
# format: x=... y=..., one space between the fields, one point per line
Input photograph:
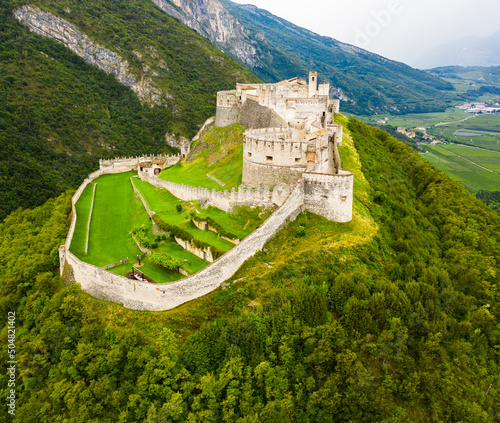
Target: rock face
x=48 y=25
x=212 y=20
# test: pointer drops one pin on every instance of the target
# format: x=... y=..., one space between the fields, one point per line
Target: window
x=249 y=154
x=269 y=158
x=297 y=159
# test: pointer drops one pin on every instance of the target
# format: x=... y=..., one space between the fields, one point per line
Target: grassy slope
x=60 y=114
x=219 y=153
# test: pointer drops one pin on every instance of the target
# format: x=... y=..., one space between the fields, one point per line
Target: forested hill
x=401 y=326
x=59 y=115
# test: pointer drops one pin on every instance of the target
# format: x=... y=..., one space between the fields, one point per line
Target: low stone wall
x=145 y=296
x=190 y=248
x=202 y=225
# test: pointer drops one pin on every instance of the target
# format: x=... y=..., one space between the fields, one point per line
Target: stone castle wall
x=126 y=164
x=330 y=196
x=271 y=157
x=225 y=200
x=253 y=115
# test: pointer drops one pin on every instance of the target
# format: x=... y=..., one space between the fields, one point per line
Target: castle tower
x=313 y=83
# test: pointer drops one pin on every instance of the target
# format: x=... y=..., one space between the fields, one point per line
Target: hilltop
x=391 y=317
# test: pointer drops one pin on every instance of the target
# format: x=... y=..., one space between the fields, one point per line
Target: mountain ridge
x=273 y=48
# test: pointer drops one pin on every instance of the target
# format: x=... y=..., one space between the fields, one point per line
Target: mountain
x=393 y=317
x=273 y=49
x=467 y=51
x=94 y=87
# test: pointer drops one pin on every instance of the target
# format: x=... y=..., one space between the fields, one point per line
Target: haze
x=402 y=30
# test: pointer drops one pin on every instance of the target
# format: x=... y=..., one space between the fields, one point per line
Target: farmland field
x=474 y=168
x=454 y=125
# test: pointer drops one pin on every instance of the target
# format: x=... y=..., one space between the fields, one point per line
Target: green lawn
x=467 y=165
x=164 y=204
x=116 y=212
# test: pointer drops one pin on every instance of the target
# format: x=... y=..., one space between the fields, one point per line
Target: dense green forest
x=59 y=115
x=401 y=328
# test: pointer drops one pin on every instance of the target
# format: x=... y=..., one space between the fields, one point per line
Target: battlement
x=124 y=164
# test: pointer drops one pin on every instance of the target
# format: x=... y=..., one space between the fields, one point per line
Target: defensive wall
x=271 y=157
x=261 y=196
x=125 y=164
x=147 y=296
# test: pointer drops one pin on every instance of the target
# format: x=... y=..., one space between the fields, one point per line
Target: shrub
x=166 y=261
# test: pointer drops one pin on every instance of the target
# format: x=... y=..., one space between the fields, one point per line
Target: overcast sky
x=398 y=29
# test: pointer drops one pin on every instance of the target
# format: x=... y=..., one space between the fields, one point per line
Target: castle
x=290 y=162
x=291 y=135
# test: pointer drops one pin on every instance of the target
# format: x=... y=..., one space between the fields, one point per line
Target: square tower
x=313 y=83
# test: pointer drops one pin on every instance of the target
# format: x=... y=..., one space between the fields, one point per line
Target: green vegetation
x=60 y=115
x=116 y=214
x=490 y=198
x=165 y=206
x=391 y=317
x=166 y=261
x=183 y=235
x=476 y=169
x=213 y=224
x=218 y=153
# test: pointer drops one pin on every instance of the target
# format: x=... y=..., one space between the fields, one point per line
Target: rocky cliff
x=212 y=20
x=48 y=25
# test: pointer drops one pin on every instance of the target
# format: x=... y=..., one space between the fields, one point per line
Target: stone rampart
x=126 y=164
x=146 y=296
x=225 y=200
x=328 y=195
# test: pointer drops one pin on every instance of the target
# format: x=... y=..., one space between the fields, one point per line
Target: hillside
x=217 y=154
x=393 y=317
x=61 y=114
x=273 y=49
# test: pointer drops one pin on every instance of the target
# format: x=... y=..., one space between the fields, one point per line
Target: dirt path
x=457 y=121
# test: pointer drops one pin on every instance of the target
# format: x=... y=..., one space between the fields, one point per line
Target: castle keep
x=291 y=135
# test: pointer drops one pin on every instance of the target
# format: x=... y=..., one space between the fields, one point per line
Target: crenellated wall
x=261 y=196
x=330 y=196
x=125 y=164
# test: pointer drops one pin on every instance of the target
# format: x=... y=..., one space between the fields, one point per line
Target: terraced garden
x=118 y=211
